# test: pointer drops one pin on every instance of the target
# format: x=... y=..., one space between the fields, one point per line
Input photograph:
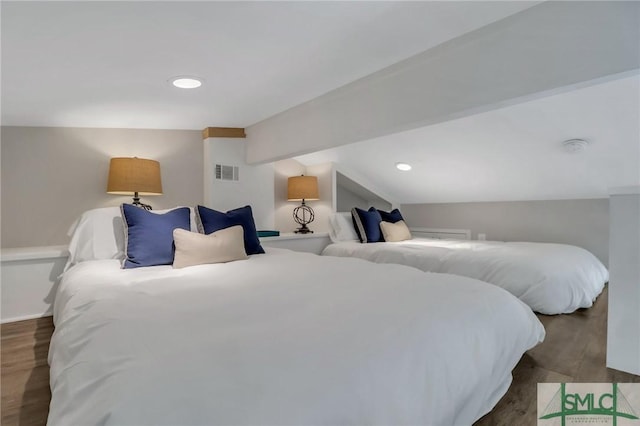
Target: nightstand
x=311 y=243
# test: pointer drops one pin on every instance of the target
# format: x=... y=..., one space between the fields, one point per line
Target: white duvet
x=550 y=278
x=282 y=338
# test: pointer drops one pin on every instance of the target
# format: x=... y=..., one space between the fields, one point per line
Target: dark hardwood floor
x=25 y=372
x=573 y=351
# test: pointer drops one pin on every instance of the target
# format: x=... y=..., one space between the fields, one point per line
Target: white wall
x=346 y=200
x=255 y=187
x=364 y=185
x=623 y=334
x=584 y=223
x=350 y=193
x=50 y=175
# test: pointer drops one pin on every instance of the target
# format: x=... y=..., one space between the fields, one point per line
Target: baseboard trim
x=26 y=317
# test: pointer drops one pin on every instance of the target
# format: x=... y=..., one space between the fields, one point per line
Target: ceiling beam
x=223 y=132
x=547 y=49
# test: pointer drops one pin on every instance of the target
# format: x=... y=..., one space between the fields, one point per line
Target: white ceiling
x=514 y=153
x=106 y=64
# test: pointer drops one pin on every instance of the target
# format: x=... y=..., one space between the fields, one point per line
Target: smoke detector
x=574 y=145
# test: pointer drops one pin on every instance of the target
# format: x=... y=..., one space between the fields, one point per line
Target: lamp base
x=137 y=203
x=303 y=215
x=303 y=230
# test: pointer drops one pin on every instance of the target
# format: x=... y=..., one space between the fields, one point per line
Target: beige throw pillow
x=192 y=248
x=395 y=231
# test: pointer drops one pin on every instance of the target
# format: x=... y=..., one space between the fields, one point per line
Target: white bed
x=550 y=278
x=281 y=338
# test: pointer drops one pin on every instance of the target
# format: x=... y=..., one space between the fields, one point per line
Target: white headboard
x=441 y=233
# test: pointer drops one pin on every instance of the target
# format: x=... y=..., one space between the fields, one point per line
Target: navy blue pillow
x=210 y=220
x=150 y=235
x=393 y=216
x=367 y=224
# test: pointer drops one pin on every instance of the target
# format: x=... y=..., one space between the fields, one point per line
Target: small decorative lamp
x=134 y=176
x=301 y=188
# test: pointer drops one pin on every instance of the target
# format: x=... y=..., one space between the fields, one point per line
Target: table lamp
x=134 y=176
x=302 y=188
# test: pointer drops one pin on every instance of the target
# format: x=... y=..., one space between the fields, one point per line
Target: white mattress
x=550 y=278
x=282 y=338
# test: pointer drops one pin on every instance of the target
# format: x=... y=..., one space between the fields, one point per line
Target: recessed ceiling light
x=403 y=166
x=184 y=82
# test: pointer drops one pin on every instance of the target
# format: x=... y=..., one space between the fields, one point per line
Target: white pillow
x=192 y=248
x=99 y=234
x=392 y=232
x=341 y=227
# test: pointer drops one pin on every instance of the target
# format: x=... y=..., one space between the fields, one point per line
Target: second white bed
x=550 y=278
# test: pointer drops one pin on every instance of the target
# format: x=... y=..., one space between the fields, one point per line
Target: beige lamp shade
x=130 y=175
x=302 y=188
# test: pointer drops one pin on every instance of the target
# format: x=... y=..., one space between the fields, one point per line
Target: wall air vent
x=230 y=173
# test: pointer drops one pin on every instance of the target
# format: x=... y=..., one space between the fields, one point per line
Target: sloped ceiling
x=106 y=64
x=513 y=153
